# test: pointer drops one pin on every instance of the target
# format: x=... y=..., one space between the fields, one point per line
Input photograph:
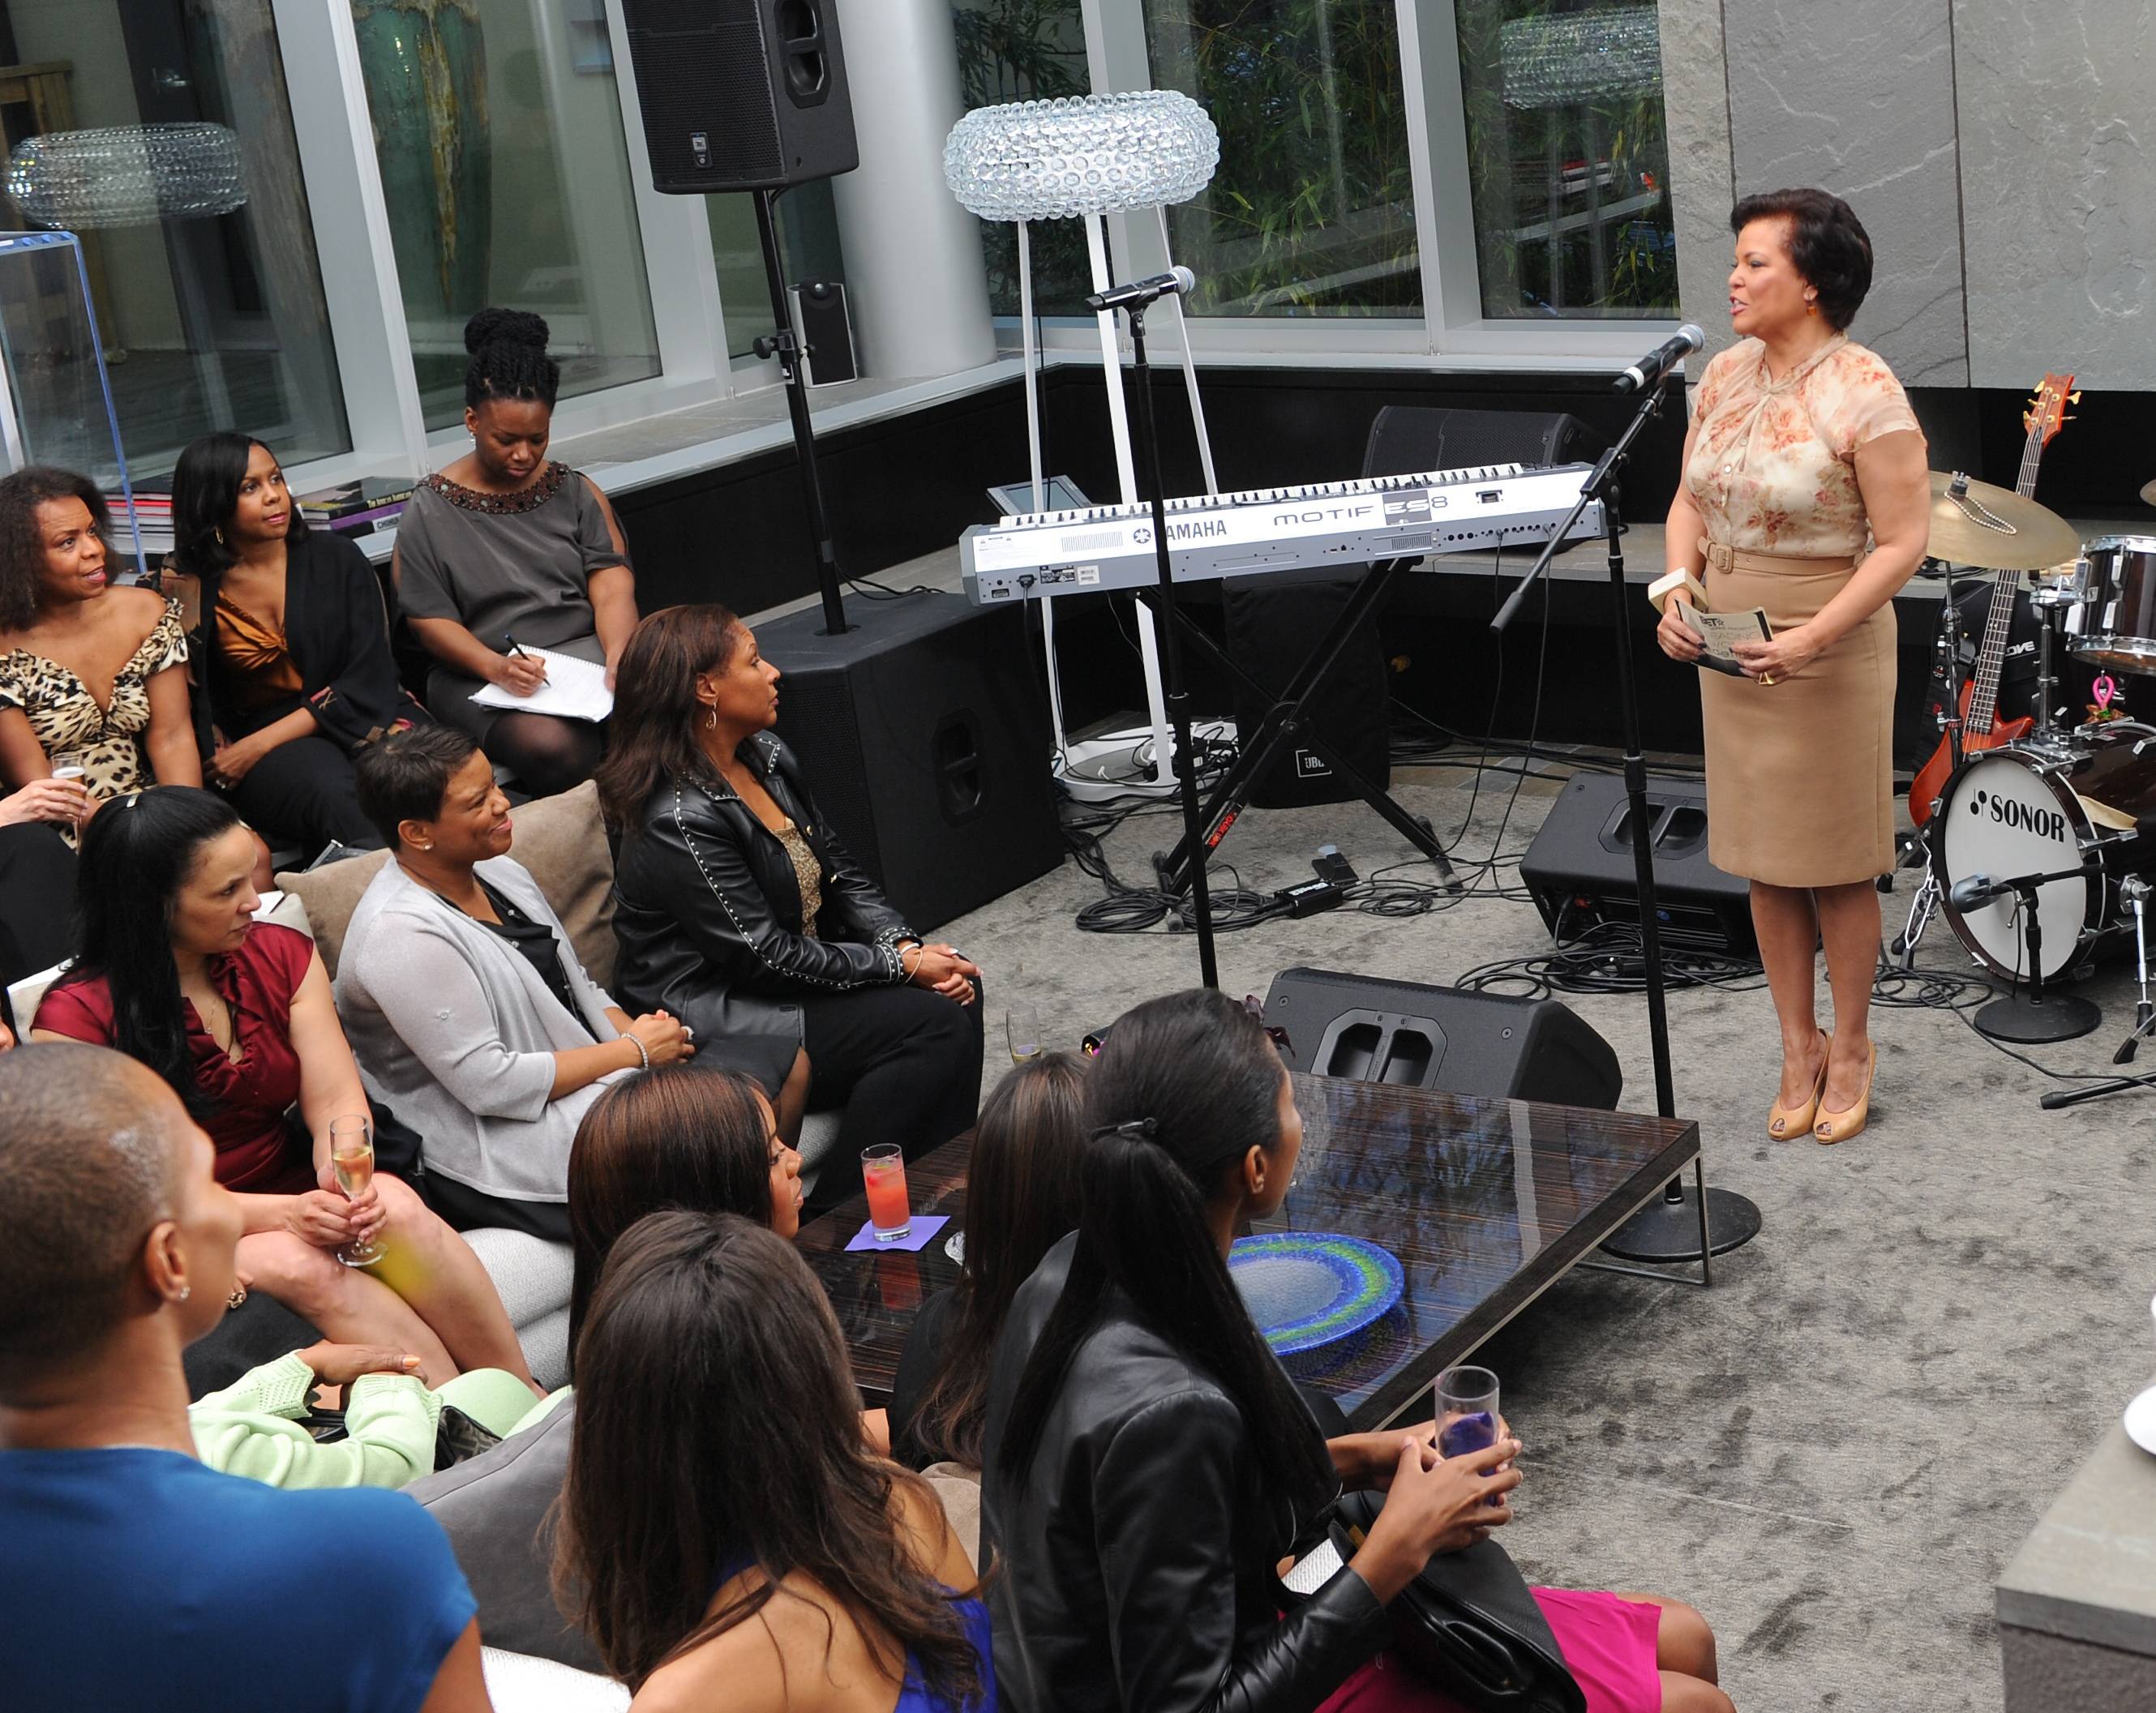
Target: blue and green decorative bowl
x=1306 y=1290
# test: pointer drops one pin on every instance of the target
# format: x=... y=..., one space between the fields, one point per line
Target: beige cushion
x=559 y=839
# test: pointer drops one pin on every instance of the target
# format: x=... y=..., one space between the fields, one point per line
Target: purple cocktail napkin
x=924 y=1226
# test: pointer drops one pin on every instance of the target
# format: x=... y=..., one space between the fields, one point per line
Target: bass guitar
x=1981 y=727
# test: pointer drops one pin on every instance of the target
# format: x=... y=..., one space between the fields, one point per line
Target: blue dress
x=913 y=1695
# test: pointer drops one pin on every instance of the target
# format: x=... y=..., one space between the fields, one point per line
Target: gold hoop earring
x=219 y=534
x=710 y=718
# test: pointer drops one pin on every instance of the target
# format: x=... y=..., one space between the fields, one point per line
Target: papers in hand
x=574 y=690
x=1719 y=633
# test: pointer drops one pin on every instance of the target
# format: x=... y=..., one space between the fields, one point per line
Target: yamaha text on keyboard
x=1316 y=525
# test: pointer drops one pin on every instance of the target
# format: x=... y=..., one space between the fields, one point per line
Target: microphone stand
x=1679 y=1226
x=2034 y=1018
x=1173 y=689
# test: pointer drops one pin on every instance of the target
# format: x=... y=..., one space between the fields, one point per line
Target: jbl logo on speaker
x=699 y=146
x=1309 y=764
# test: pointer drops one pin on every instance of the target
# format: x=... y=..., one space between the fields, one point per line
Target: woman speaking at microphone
x=1804 y=495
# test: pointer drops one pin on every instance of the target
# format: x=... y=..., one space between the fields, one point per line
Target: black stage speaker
x=1421 y=1037
x=819 y=311
x=925 y=738
x=1579 y=868
x=1409 y=439
x=740 y=94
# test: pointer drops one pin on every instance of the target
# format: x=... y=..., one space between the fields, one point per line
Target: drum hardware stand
x=2047 y=737
x=2133 y=890
x=2031 y=1016
x=1918 y=851
x=1680 y=1224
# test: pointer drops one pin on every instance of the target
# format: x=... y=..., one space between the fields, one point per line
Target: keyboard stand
x=1286 y=720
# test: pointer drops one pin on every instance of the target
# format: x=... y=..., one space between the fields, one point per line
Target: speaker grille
x=701 y=72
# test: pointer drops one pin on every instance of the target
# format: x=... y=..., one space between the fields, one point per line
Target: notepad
x=574 y=690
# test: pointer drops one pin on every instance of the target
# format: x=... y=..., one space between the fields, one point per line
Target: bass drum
x=2010 y=811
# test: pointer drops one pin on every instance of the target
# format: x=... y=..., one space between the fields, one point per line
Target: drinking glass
x=883 y=1175
x=351 y=1156
x=1466 y=1412
x=1022 y=1030
x=71 y=764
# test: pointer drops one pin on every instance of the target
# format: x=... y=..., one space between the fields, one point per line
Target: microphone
x=1976 y=889
x=1137 y=295
x=1648 y=370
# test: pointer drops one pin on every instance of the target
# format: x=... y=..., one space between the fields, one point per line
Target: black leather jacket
x=1135 y=1569
x=708 y=914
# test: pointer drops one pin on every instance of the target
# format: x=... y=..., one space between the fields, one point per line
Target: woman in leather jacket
x=735 y=901
x=1149 y=1463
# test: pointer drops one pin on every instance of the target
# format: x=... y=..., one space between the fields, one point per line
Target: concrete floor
x=1834 y=1451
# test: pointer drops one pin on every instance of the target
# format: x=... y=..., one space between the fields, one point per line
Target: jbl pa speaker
x=1272 y=625
x=1419 y=1036
x=925 y=739
x=1579 y=868
x=740 y=94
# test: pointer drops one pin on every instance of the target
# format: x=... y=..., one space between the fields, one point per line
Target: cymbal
x=2149 y=492
x=1997 y=529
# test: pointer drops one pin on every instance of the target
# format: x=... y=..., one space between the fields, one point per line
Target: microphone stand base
x=2034 y=1023
x=1667 y=1230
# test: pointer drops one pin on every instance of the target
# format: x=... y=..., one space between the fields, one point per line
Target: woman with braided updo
x=506 y=550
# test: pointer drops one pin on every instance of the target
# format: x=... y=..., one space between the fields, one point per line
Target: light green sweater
x=252 y=1428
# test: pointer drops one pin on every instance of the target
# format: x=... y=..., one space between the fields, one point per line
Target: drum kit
x=2040 y=850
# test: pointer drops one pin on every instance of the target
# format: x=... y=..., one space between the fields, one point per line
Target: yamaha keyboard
x=1314 y=525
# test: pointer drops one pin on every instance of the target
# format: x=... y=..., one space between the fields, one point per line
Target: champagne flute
x=351 y=1157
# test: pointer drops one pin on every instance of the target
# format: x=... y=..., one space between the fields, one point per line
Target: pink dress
x=1608 y=1643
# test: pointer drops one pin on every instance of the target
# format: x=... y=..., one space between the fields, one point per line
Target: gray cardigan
x=454 y=1030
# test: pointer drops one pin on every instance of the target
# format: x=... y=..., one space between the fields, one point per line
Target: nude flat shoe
x=1784 y=1122
x=1839 y=1126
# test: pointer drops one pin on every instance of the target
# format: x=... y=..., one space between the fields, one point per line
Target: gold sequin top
x=808 y=875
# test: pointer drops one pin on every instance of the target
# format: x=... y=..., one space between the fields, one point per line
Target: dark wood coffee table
x=1486 y=1202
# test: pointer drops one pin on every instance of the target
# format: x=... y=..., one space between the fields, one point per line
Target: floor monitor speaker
x=1579 y=868
x=924 y=736
x=740 y=94
x=1421 y=1037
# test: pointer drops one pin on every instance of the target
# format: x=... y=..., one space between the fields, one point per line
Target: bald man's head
x=90 y=1153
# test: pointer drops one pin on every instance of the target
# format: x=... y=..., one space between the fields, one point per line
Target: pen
x=511 y=645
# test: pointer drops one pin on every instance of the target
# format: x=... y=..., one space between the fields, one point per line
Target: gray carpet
x=1834 y=1451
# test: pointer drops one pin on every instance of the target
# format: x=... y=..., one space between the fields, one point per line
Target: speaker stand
x=787 y=346
x=1720 y=1220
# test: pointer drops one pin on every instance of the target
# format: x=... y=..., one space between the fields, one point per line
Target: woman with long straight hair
x=728 y=1535
x=1023 y=1182
x=294 y=637
x=235 y=1015
x=680 y=1135
x=740 y=912
x=1149 y=1463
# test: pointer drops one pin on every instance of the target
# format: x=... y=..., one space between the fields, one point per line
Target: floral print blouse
x=1774 y=467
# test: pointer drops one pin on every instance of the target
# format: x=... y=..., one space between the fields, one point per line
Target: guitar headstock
x=2047 y=409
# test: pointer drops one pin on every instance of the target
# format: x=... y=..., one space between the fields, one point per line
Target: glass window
x=1312 y=210
x=1568 y=156
x=1027 y=50
x=807 y=246
x=498 y=128
x=160 y=131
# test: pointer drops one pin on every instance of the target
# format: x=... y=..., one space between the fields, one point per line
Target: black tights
x=905 y=1062
x=547 y=755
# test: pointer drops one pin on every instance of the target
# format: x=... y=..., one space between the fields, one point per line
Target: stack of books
x=152 y=517
x=358 y=508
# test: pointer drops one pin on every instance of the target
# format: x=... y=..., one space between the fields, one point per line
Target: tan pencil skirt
x=1799 y=772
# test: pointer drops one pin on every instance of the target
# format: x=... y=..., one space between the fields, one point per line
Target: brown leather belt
x=1727 y=558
